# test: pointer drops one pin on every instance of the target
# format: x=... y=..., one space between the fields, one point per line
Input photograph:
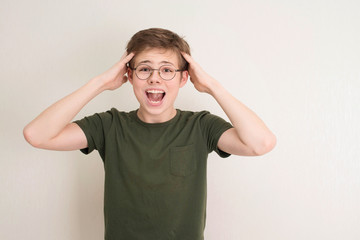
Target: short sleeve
x=213 y=127
x=95 y=128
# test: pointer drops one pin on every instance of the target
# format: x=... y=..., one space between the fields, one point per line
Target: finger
x=125 y=58
x=128 y=57
x=189 y=59
x=124 y=55
x=186 y=56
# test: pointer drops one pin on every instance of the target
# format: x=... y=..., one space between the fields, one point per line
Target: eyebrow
x=148 y=61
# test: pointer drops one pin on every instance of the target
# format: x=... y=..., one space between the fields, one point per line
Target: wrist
x=215 y=88
x=97 y=84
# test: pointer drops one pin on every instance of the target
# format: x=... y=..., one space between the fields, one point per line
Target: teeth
x=154 y=102
x=155 y=91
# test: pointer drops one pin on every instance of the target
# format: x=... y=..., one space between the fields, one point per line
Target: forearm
x=251 y=136
x=54 y=119
x=250 y=129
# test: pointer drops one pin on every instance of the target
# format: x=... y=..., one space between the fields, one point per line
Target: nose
x=154 y=77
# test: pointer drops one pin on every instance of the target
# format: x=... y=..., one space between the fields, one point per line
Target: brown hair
x=159 y=38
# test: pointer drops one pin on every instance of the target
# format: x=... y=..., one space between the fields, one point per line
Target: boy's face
x=156 y=95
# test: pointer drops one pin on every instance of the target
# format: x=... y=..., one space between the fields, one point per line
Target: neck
x=156 y=118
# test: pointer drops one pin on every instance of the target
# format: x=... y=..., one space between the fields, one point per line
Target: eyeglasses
x=166 y=72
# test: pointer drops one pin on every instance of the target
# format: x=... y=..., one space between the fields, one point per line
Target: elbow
x=266 y=146
x=30 y=137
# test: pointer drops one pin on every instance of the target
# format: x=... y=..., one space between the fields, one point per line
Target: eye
x=167 y=69
x=144 y=69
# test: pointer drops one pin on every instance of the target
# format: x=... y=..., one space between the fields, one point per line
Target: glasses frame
x=154 y=69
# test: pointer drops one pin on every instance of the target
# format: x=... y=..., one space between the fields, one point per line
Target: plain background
x=294 y=62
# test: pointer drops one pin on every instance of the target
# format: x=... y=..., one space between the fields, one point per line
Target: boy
x=154 y=157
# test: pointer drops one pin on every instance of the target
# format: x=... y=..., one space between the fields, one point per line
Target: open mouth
x=155 y=96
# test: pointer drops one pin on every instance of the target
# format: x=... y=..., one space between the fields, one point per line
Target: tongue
x=155 y=96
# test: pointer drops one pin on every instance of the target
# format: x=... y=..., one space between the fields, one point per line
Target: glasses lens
x=167 y=72
x=143 y=71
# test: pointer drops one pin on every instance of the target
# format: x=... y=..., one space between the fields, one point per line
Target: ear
x=184 y=78
x=130 y=75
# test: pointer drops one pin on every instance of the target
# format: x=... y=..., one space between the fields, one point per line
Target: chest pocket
x=182 y=160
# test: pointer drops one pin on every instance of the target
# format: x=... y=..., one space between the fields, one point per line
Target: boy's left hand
x=202 y=81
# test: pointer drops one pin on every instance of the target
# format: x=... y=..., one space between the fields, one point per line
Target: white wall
x=294 y=62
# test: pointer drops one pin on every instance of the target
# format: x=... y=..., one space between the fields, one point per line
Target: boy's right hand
x=53 y=128
x=114 y=77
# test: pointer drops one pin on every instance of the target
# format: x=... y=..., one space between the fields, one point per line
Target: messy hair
x=159 y=38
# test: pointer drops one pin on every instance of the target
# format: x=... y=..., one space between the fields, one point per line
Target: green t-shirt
x=155 y=174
